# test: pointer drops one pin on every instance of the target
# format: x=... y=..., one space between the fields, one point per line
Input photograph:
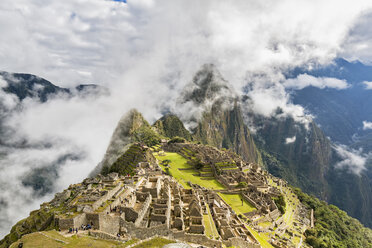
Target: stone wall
x=65 y=223
x=143 y=210
x=109 y=224
x=245 y=197
x=196 y=229
x=130 y=214
x=196 y=239
x=239 y=242
x=106 y=197
x=93 y=219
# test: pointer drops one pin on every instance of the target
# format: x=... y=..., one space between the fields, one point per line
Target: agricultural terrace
x=183 y=172
x=235 y=201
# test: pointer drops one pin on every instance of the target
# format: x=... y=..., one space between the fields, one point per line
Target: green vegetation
x=184 y=172
x=146 y=135
x=210 y=227
x=280 y=203
x=38 y=220
x=333 y=227
x=235 y=201
x=171 y=126
x=260 y=238
x=126 y=163
x=177 y=139
x=242 y=185
x=154 y=243
x=54 y=239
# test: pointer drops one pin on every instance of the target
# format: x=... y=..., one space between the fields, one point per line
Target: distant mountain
x=23 y=86
x=27 y=85
x=340 y=113
x=309 y=161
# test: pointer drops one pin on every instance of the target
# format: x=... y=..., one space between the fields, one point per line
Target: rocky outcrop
x=171 y=126
x=216 y=115
x=121 y=138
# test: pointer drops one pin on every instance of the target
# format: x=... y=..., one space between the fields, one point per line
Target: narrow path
x=62 y=241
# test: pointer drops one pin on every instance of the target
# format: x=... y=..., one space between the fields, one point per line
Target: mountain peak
x=207 y=85
x=121 y=138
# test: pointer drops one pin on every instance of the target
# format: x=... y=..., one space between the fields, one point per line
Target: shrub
x=280 y=203
x=177 y=139
x=146 y=135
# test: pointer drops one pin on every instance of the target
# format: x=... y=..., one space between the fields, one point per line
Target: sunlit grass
x=184 y=176
x=235 y=201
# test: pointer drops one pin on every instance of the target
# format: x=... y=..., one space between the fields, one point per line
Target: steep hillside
x=220 y=122
x=131 y=127
x=333 y=227
x=339 y=112
x=306 y=159
x=171 y=126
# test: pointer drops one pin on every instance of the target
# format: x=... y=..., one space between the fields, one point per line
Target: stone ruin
x=154 y=204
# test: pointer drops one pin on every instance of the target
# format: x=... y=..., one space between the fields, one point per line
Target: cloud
x=353 y=160
x=358 y=42
x=368 y=85
x=145 y=52
x=367 y=125
x=290 y=140
x=305 y=80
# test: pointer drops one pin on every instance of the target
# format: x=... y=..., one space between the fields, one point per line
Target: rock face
x=171 y=126
x=309 y=163
x=303 y=162
x=216 y=115
x=121 y=138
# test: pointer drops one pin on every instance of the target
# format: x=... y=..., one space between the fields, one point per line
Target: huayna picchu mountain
x=181 y=191
x=218 y=120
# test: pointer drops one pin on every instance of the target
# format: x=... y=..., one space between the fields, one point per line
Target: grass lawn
x=154 y=243
x=210 y=227
x=235 y=201
x=183 y=176
x=260 y=238
x=49 y=239
x=265 y=224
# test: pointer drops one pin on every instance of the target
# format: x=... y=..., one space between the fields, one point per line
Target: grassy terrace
x=236 y=204
x=261 y=238
x=49 y=239
x=183 y=176
x=154 y=243
x=210 y=227
x=235 y=201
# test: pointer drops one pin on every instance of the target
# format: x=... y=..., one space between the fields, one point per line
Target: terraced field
x=235 y=201
x=49 y=239
x=183 y=172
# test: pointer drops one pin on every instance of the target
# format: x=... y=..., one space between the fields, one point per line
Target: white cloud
x=305 y=80
x=358 y=42
x=353 y=160
x=367 y=125
x=145 y=52
x=368 y=85
x=290 y=140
